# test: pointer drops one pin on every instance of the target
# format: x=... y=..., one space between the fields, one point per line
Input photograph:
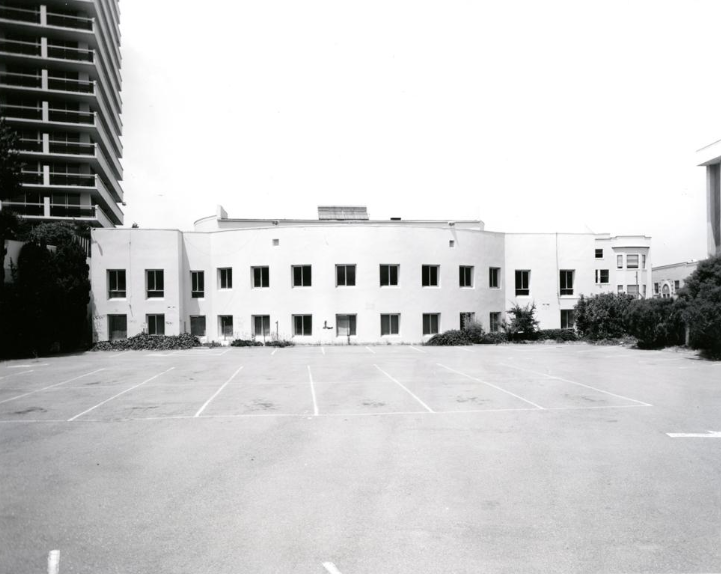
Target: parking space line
x=51 y=386
x=312 y=392
x=419 y=350
x=371 y=350
x=330 y=567
x=54 y=562
x=217 y=392
x=121 y=393
x=424 y=405
x=577 y=383
x=492 y=385
x=27 y=366
x=274 y=352
x=322 y=350
x=15 y=374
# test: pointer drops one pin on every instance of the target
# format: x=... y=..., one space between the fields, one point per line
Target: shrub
x=449 y=338
x=145 y=342
x=560 y=335
x=700 y=305
x=655 y=323
x=474 y=332
x=523 y=325
x=602 y=316
x=494 y=338
x=280 y=343
x=246 y=343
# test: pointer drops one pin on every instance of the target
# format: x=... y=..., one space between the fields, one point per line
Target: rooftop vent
x=342 y=213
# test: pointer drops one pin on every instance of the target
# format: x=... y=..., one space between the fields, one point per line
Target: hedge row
x=254 y=343
x=145 y=342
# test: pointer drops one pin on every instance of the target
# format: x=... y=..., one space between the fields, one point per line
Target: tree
x=602 y=316
x=524 y=324
x=656 y=323
x=700 y=304
x=10 y=164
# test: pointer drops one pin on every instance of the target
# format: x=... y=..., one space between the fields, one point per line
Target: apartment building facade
x=709 y=157
x=60 y=90
x=344 y=278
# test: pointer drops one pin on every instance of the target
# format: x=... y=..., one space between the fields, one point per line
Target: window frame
x=427 y=327
x=342 y=269
x=494 y=276
x=619 y=261
x=352 y=325
x=225 y=278
x=564 y=289
x=112 y=317
x=389 y=266
x=523 y=291
x=629 y=264
x=205 y=325
x=466 y=276
x=494 y=321
x=568 y=312
x=303 y=325
x=261 y=272
x=115 y=293
x=466 y=317
x=197 y=284
x=254 y=321
x=154 y=293
x=222 y=326
x=302 y=269
x=598 y=253
x=599 y=277
x=390 y=318
x=155 y=317
x=427 y=275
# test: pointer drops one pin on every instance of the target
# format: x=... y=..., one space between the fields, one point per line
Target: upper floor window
x=619 y=261
x=566 y=280
x=429 y=275
x=345 y=275
x=116 y=283
x=261 y=277
x=197 y=281
x=225 y=278
x=465 y=276
x=389 y=275
x=523 y=282
x=599 y=253
x=155 y=284
x=643 y=262
x=601 y=275
x=494 y=277
x=632 y=261
x=301 y=276
x=676 y=285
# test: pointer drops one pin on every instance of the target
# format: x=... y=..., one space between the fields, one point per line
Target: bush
x=450 y=338
x=474 y=332
x=145 y=342
x=523 y=325
x=280 y=343
x=560 y=335
x=700 y=305
x=602 y=316
x=494 y=338
x=246 y=343
x=656 y=323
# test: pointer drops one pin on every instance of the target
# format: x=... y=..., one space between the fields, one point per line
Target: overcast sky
x=567 y=116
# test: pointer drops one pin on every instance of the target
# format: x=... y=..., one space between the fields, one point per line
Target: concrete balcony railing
x=26 y=15
x=25 y=48
x=20 y=47
x=92 y=214
x=70 y=22
x=88 y=151
x=54 y=19
x=71 y=86
x=35 y=81
x=71 y=54
x=21 y=80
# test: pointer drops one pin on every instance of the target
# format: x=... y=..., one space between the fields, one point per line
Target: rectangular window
x=345 y=325
x=116 y=283
x=155 y=285
x=599 y=253
x=632 y=290
x=430 y=323
x=632 y=261
x=495 y=322
x=655 y=288
x=644 y=291
x=465 y=276
x=117 y=327
x=225 y=325
x=566 y=279
x=197 y=325
x=261 y=277
x=467 y=319
x=197 y=280
x=494 y=277
x=567 y=319
x=523 y=282
x=156 y=324
x=429 y=275
x=601 y=275
x=389 y=275
x=225 y=278
x=261 y=325
x=302 y=325
x=301 y=276
x=345 y=275
x=676 y=285
x=643 y=262
x=619 y=288
x=619 y=261
x=390 y=324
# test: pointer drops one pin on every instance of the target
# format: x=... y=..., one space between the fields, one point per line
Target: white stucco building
x=709 y=157
x=669 y=279
x=344 y=277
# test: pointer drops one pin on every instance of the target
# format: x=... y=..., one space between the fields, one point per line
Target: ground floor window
x=390 y=324
x=117 y=327
x=567 y=319
x=495 y=322
x=197 y=325
x=632 y=290
x=467 y=319
x=261 y=325
x=302 y=325
x=225 y=325
x=430 y=323
x=345 y=325
x=156 y=324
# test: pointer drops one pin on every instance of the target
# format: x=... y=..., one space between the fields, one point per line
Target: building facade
x=710 y=158
x=60 y=90
x=344 y=278
x=669 y=279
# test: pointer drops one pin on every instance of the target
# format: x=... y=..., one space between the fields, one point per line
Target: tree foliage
x=10 y=164
x=656 y=323
x=700 y=304
x=602 y=316
x=523 y=323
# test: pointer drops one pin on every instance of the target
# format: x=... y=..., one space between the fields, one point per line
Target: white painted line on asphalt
x=121 y=393
x=224 y=352
x=371 y=350
x=331 y=568
x=464 y=349
x=54 y=562
x=217 y=392
x=493 y=386
x=709 y=434
x=322 y=350
x=51 y=386
x=15 y=374
x=577 y=383
x=424 y=405
x=27 y=366
x=274 y=352
x=312 y=392
x=419 y=350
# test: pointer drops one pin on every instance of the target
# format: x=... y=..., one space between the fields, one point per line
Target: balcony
x=94 y=215
x=35 y=82
x=21 y=48
x=11 y=80
x=76 y=152
x=71 y=54
x=13 y=14
x=68 y=54
x=70 y=22
x=71 y=86
x=54 y=19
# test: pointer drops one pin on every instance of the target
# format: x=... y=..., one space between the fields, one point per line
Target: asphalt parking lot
x=362 y=460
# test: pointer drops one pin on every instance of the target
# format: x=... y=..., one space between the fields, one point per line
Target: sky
x=555 y=116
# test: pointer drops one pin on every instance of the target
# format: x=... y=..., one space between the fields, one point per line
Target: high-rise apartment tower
x=60 y=90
